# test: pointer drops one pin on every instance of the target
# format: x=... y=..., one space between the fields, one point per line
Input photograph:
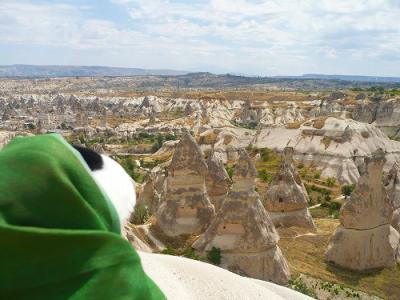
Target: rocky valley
x=290 y=181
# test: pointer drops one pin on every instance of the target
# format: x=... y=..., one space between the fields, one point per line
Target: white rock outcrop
x=188 y=279
x=385 y=115
x=332 y=144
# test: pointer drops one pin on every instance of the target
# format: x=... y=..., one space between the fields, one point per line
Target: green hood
x=59 y=233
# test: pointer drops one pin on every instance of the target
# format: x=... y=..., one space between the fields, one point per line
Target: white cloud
x=256 y=36
x=276 y=23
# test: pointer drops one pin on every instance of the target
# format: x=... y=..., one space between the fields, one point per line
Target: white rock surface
x=185 y=279
x=334 y=148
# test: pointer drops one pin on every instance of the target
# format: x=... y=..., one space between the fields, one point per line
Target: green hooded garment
x=59 y=233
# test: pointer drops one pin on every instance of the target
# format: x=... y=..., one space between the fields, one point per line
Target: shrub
x=190 y=253
x=140 y=215
x=31 y=126
x=214 y=256
x=348 y=189
x=251 y=125
x=330 y=181
x=144 y=135
x=266 y=154
x=229 y=170
x=333 y=208
x=130 y=168
x=298 y=285
x=157 y=144
x=265 y=176
x=169 y=251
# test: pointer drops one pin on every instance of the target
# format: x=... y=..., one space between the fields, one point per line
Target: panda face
x=113 y=180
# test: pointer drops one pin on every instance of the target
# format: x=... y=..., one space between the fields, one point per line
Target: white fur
x=118 y=186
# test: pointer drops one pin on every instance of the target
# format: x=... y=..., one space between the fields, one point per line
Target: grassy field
x=305 y=255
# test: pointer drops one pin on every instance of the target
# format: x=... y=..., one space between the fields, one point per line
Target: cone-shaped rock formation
x=287 y=198
x=186 y=208
x=243 y=231
x=365 y=239
x=217 y=180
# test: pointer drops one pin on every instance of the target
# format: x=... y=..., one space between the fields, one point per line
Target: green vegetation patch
x=127 y=162
x=140 y=215
x=348 y=189
x=298 y=284
x=214 y=256
x=248 y=125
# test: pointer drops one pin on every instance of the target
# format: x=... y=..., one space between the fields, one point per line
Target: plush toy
x=113 y=180
x=60 y=233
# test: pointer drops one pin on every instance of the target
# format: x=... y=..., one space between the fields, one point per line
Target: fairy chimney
x=186 y=208
x=243 y=231
x=365 y=238
x=287 y=198
x=217 y=180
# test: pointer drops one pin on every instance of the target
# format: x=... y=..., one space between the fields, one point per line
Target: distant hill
x=215 y=81
x=171 y=79
x=352 y=78
x=79 y=71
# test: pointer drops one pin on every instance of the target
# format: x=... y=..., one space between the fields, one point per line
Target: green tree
x=157 y=143
x=348 y=189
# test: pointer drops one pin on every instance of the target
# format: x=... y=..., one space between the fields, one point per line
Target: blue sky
x=256 y=37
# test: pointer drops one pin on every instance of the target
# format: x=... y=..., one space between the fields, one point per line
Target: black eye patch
x=92 y=158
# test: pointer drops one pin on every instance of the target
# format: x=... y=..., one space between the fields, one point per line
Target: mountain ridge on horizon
x=28 y=70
